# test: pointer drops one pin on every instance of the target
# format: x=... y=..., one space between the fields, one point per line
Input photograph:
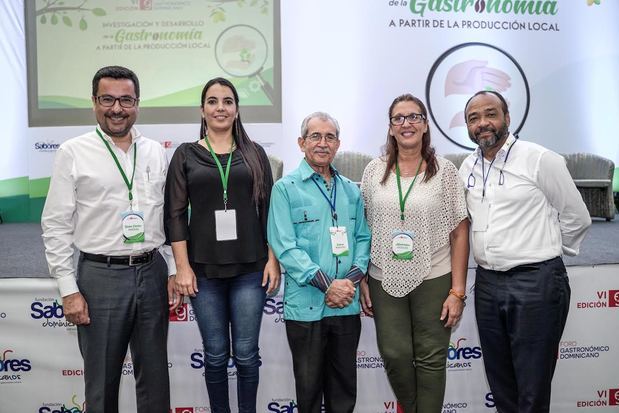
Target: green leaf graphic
x=83 y=24
x=99 y=12
x=54 y=19
x=43 y=19
x=67 y=21
x=218 y=16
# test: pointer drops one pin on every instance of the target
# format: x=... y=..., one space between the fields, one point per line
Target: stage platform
x=21 y=249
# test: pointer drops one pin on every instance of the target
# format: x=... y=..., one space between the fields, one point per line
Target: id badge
x=225 y=225
x=480 y=220
x=133 y=226
x=339 y=241
x=402 y=245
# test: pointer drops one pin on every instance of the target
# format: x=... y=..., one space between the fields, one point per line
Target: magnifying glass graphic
x=242 y=51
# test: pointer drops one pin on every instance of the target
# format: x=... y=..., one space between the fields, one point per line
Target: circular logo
x=462 y=71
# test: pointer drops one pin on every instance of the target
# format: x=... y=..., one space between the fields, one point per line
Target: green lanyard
x=403 y=200
x=135 y=153
x=226 y=175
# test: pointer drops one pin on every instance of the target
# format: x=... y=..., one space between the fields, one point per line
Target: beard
x=115 y=131
x=491 y=142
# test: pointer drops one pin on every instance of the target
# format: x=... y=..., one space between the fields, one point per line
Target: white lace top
x=433 y=209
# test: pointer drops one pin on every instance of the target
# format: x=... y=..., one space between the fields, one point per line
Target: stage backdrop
x=41 y=369
x=555 y=61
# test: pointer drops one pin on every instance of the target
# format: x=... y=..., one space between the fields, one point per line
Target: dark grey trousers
x=127 y=306
x=521 y=314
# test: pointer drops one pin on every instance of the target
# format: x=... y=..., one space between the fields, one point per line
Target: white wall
x=343 y=57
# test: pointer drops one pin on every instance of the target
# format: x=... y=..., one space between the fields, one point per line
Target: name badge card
x=133 y=226
x=480 y=219
x=402 y=245
x=339 y=241
x=225 y=224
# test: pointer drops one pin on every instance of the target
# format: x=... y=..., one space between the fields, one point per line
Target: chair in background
x=456 y=158
x=277 y=167
x=351 y=164
x=593 y=176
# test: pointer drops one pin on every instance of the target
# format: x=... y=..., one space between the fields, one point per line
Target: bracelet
x=457 y=294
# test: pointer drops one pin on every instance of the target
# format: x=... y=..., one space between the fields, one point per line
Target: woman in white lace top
x=420 y=247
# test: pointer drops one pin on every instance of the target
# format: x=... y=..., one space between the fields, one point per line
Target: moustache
x=485 y=129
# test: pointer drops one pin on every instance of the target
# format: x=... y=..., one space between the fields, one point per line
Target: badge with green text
x=402 y=245
x=133 y=226
x=339 y=241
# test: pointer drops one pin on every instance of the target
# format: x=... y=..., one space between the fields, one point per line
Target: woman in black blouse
x=222 y=258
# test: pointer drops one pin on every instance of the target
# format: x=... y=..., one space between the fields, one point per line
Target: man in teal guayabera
x=318 y=231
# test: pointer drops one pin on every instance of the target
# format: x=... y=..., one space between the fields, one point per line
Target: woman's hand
x=272 y=275
x=185 y=282
x=364 y=296
x=452 y=310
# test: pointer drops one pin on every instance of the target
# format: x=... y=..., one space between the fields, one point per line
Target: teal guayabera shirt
x=298 y=232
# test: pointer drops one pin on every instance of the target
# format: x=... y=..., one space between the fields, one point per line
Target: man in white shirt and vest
x=106 y=200
x=525 y=213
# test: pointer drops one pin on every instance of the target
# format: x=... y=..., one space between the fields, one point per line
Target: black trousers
x=324 y=357
x=521 y=314
x=128 y=306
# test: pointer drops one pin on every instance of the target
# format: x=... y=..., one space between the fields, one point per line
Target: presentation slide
x=164 y=42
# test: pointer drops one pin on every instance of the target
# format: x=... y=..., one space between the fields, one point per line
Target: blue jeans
x=223 y=306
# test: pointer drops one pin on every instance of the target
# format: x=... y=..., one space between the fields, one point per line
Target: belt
x=130 y=260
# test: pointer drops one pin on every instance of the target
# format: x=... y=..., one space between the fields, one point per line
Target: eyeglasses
x=108 y=101
x=317 y=137
x=413 y=118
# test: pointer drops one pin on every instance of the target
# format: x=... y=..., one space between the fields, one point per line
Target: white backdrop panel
x=41 y=368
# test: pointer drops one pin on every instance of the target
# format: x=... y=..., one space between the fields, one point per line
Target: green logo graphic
x=54 y=11
x=218 y=12
x=530 y=7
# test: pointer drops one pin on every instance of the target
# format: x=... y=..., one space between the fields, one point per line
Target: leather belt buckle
x=135 y=260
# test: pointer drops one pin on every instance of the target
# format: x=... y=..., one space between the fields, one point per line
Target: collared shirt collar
x=504 y=149
x=135 y=134
x=307 y=172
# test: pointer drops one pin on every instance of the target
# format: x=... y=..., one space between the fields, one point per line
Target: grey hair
x=321 y=116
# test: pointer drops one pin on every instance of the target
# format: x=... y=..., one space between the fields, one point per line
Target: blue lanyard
x=330 y=200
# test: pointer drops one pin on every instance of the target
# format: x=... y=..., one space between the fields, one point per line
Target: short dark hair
x=115 y=72
x=486 y=92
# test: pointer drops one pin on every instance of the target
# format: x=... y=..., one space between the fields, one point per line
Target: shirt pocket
x=296 y=297
x=307 y=222
x=154 y=184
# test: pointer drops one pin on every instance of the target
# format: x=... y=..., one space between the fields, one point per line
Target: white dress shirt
x=87 y=196
x=531 y=210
